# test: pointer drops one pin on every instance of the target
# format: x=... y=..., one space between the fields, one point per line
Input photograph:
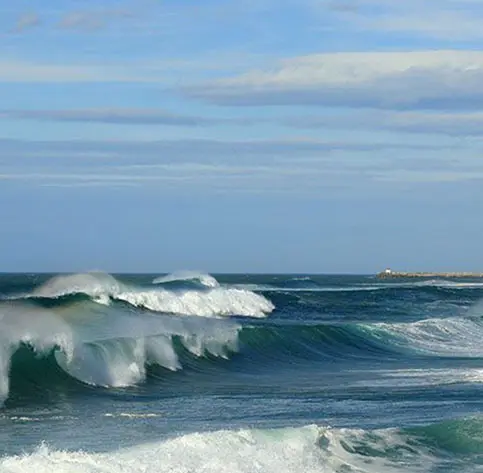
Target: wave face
x=196 y=372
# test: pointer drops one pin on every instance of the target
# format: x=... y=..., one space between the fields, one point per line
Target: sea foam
x=309 y=449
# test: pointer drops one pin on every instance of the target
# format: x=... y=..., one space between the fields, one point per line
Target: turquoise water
x=240 y=373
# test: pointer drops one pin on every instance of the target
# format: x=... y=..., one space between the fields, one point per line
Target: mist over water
x=195 y=372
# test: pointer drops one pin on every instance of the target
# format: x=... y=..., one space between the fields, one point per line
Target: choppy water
x=243 y=373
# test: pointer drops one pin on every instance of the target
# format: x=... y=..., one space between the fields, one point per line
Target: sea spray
x=106 y=346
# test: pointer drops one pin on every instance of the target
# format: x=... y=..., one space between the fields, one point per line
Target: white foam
x=132 y=415
x=438 y=283
x=455 y=336
x=204 y=279
x=214 y=302
x=445 y=283
x=309 y=449
x=422 y=377
x=40 y=419
x=26 y=419
x=359 y=288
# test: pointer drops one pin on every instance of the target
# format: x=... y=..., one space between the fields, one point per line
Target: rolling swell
x=450 y=337
x=118 y=350
x=311 y=342
x=96 y=330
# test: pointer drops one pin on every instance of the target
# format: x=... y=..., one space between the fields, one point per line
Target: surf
x=453 y=445
x=104 y=332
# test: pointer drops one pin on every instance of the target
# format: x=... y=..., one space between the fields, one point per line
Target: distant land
x=389 y=273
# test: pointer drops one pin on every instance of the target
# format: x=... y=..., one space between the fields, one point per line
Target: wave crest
x=217 y=301
x=202 y=278
x=211 y=300
x=453 y=336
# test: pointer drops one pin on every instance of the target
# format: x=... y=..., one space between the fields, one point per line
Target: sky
x=304 y=136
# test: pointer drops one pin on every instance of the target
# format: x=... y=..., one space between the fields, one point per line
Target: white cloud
x=398 y=80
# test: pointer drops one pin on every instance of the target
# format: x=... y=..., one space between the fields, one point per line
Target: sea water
x=189 y=372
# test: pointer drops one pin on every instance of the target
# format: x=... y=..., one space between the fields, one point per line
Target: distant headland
x=389 y=273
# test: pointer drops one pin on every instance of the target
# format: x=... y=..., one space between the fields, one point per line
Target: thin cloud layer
x=388 y=80
x=444 y=123
x=26 y=21
x=445 y=20
x=297 y=167
x=113 y=116
x=92 y=20
x=36 y=72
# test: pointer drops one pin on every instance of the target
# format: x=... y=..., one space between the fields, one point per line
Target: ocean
x=190 y=372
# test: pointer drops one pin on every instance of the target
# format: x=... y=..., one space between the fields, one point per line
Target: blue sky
x=250 y=136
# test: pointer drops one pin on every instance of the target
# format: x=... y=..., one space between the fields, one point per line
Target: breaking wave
x=103 y=348
x=211 y=300
x=451 y=446
x=87 y=326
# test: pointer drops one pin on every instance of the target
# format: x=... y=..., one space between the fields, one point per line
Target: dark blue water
x=240 y=373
